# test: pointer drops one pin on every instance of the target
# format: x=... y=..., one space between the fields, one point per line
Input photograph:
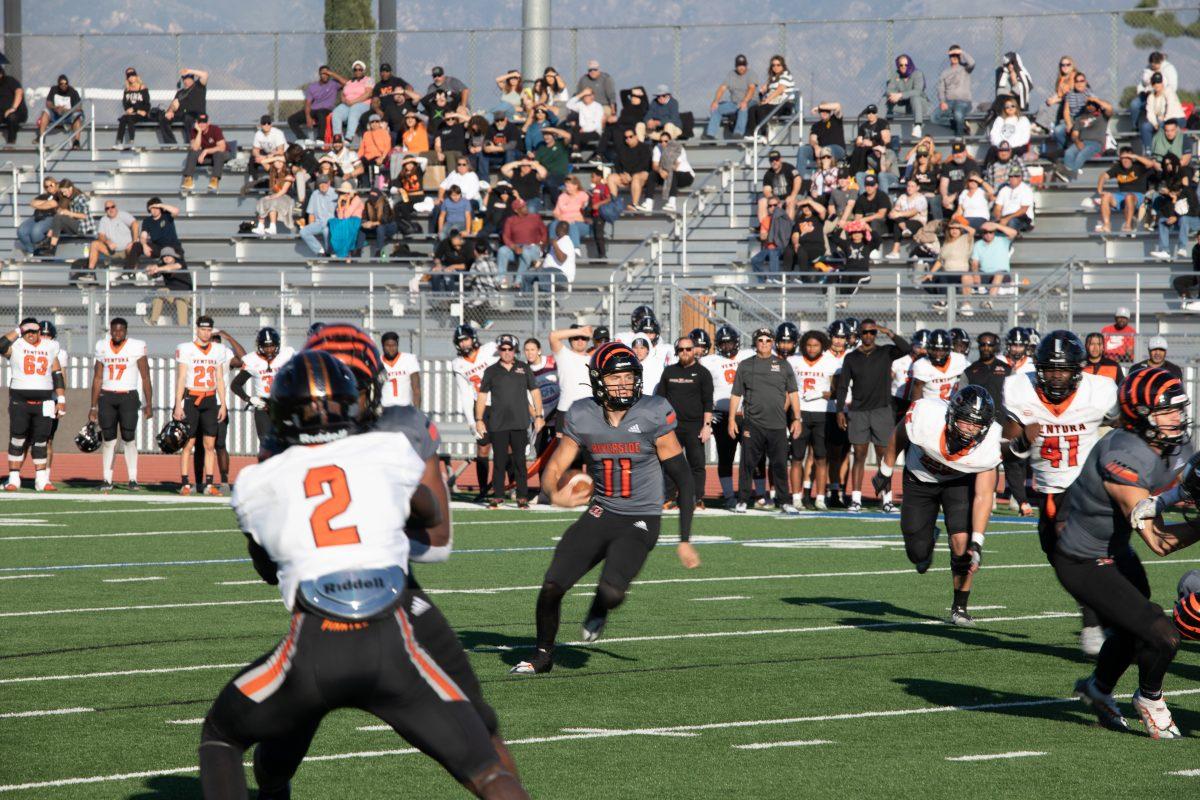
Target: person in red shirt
x=1119 y=337
x=208 y=146
x=524 y=239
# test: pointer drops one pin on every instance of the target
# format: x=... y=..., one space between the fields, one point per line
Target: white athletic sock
x=887 y=496
x=14 y=478
x=131 y=455
x=727 y=486
x=40 y=478
x=856 y=497
x=797 y=499
x=807 y=486
x=108 y=454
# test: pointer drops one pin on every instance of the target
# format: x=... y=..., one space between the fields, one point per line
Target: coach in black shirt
x=510 y=384
x=868 y=372
x=764 y=389
x=688 y=387
x=989 y=371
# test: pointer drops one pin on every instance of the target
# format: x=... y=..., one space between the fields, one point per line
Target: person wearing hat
x=975 y=201
x=175 y=290
x=991 y=259
x=664 y=113
x=189 y=103
x=1014 y=201
x=500 y=146
x=953 y=178
x=13 y=112
x=135 y=106
x=1088 y=132
x=601 y=84
x=1119 y=336
x=906 y=89
x=999 y=160
x=345 y=159
x=267 y=147
x=954 y=92
x=1162 y=104
x=1132 y=174
x=61 y=98
x=391 y=98
x=322 y=205
x=208 y=146
x=506 y=393
x=783 y=180
x=735 y=95
x=458 y=96
x=1155 y=62
x=1157 y=348
x=872 y=207
x=320 y=97
x=356 y=101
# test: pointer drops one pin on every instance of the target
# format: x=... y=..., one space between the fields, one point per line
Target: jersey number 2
x=333 y=478
x=1052 y=451
x=618 y=469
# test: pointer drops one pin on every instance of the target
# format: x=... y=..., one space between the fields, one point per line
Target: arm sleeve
x=238 y=385
x=678 y=471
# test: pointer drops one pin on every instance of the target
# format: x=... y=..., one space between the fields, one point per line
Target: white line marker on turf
x=54 y=611
x=133 y=580
x=723 y=597
x=997 y=756
x=769 y=745
x=23 y=577
x=125 y=672
x=984 y=608
x=1186 y=773
x=110 y=535
x=239 y=583
x=52 y=712
x=195 y=721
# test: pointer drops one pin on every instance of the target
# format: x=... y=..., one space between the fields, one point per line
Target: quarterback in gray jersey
x=1114 y=496
x=629 y=440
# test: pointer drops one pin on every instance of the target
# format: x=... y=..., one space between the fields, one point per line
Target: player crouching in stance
x=1111 y=498
x=626 y=437
x=327 y=522
x=951 y=451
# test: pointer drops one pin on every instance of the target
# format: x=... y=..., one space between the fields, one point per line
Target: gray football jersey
x=413 y=423
x=624 y=460
x=1091 y=524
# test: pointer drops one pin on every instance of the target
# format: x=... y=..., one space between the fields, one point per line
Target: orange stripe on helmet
x=1129 y=392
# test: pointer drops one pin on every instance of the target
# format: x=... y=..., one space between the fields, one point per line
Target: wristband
x=977 y=538
x=60 y=399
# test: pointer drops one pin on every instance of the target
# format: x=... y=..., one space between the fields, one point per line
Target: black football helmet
x=960 y=341
x=354 y=348
x=1016 y=342
x=970 y=405
x=508 y=340
x=701 y=340
x=919 y=342
x=600 y=335
x=1035 y=338
x=465 y=333
x=173 y=436
x=48 y=329
x=639 y=314
x=314 y=399
x=938 y=349
x=853 y=324
x=1059 y=361
x=88 y=438
x=1149 y=392
x=648 y=326
x=266 y=343
x=838 y=328
x=728 y=340
x=787 y=337
x=314 y=329
x=610 y=359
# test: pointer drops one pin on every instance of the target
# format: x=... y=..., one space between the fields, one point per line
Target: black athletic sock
x=208 y=480
x=481 y=471
x=1090 y=618
x=1149 y=695
x=549 y=610
x=960 y=598
x=183 y=480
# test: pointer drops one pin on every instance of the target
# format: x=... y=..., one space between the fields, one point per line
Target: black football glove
x=881 y=483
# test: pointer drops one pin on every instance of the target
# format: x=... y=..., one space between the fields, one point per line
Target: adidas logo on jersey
x=641 y=525
x=419 y=606
x=634 y=428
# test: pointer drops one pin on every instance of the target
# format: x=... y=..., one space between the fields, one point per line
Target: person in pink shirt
x=1119 y=337
x=356 y=100
x=569 y=209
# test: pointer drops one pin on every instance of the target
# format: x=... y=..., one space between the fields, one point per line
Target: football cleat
x=889 y=508
x=760 y=503
x=49 y=487
x=212 y=490
x=134 y=486
x=1026 y=510
x=1105 y=705
x=186 y=489
x=961 y=617
x=106 y=487
x=11 y=487
x=819 y=503
x=542 y=661
x=494 y=503
x=1156 y=717
x=592 y=628
x=854 y=507
x=789 y=510
x=1091 y=639
x=739 y=508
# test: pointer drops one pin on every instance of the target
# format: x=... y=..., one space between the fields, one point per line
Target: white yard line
x=133 y=580
x=111 y=535
x=52 y=712
x=239 y=583
x=23 y=577
x=769 y=745
x=195 y=721
x=155 y=607
x=998 y=756
x=96 y=497
x=120 y=673
x=723 y=597
x=1186 y=773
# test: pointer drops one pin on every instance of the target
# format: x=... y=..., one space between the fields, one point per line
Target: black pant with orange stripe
x=1048 y=536
x=323 y=665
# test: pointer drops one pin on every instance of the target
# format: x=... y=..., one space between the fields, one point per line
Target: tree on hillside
x=342 y=49
x=1157 y=27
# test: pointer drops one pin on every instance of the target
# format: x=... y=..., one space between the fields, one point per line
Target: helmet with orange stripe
x=609 y=362
x=354 y=348
x=1154 y=406
x=314 y=400
x=1187 y=609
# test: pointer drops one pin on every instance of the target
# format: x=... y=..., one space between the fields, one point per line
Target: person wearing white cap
x=1157 y=348
x=356 y=100
x=601 y=84
x=1119 y=336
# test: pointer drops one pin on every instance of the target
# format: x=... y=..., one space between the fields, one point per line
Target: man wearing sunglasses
x=511 y=387
x=117 y=233
x=688 y=387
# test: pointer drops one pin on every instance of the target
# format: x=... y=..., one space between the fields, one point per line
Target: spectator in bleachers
x=807 y=243
x=840 y=200
x=558 y=266
x=872 y=207
x=906 y=89
x=355 y=101
x=526 y=177
x=909 y=214
x=32 y=232
x=378 y=222
x=175 y=289
x=1176 y=207
x=523 y=239
x=392 y=98
x=589 y=119
x=467 y=182
x=537 y=118
x=631 y=170
x=1089 y=135
x=664 y=113
x=375 y=148
x=61 y=98
x=953 y=177
x=1155 y=63
x=158 y=229
x=998 y=162
x=321 y=207
x=783 y=179
x=450 y=139
x=455 y=212
x=670 y=170
x=278 y=203
x=1010 y=126
x=1169 y=140
x=827 y=133
x=824 y=179
x=499 y=147
x=1062 y=85
x=1162 y=104
x=554 y=154
x=855 y=252
x=497 y=208
x=452 y=257
x=73 y=216
x=320 y=97
x=735 y=95
x=510 y=85
x=1156 y=349
x=1132 y=174
x=1120 y=337
x=774 y=235
x=601 y=84
x=776 y=93
x=1014 y=202
x=1185 y=285
x=346 y=223
x=600 y=208
x=414 y=138
x=569 y=208
x=189 y=104
x=954 y=92
x=345 y=159
x=1071 y=105
x=12 y=101
x=991 y=258
x=208 y=146
x=1012 y=80
x=408 y=186
x=304 y=166
x=135 y=106
x=116 y=236
x=551 y=91
x=458 y=96
x=872 y=138
x=267 y=147
x=437 y=107
x=975 y=201
x=924 y=171
x=632 y=117
x=953 y=264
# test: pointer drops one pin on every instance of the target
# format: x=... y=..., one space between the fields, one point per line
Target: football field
x=804 y=658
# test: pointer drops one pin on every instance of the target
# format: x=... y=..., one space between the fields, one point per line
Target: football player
x=701 y=341
x=121 y=365
x=403 y=386
x=814 y=369
x=600 y=335
x=199 y=380
x=1016 y=470
x=1109 y=500
x=787 y=337
x=951 y=451
x=836 y=439
x=326 y=522
x=259 y=369
x=902 y=373
x=630 y=441
x=722 y=365
x=1016 y=350
x=231 y=356
x=37 y=395
x=472 y=359
x=960 y=341
x=1053 y=420
x=49 y=333
x=938 y=373
x=638 y=324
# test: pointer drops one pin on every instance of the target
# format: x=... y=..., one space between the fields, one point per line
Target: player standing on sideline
x=722 y=365
x=902 y=373
x=259 y=369
x=347 y=647
x=505 y=393
x=402 y=385
x=630 y=439
x=569 y=347
x=36 y=396
x=938 y=373
x=836 y=439
x=701 y=342
x=1100 y=364
x=545 y=374
x=1016 y=350
x=1016 y=470
x=814 y=369
x=121 y=364
x=989 y=371
x=472 y=359
x=951 y=451
x=1108 y=501
x=960 y=341
x=199 y=379
x=1053 y=419
x=49 y=332
x=600 y=335
x=231 y=356
x=688 y=387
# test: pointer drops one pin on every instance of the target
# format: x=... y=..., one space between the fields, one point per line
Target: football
x=575 y=488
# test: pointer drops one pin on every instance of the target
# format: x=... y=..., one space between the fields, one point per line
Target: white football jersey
x=31 y=366
x=398 y=389
x=118 y=365
x=901 y=376
x=928 y=458
x=470 y=376
x=1069 y=429
x=831 y=406
x=202 y=363
x=723 y=371
x=343 y=505
x=62 y=358
x=940 y=382
x=262 y=372
x=1019 y=367
x=813 y=380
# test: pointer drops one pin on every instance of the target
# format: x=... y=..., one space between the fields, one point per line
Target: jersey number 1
x=614 y=467
x=316 y=481
x=1052 y=451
